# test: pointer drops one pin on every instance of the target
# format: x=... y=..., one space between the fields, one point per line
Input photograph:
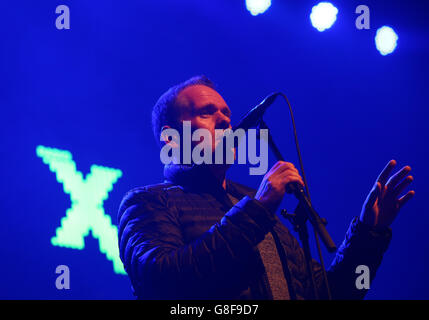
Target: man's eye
x=206 y=113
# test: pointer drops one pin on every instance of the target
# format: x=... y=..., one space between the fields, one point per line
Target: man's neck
x=219 y=171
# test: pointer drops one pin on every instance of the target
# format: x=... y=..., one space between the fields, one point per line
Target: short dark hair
x=166 y=110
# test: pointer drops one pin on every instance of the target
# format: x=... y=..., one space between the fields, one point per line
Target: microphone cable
x=325 y=277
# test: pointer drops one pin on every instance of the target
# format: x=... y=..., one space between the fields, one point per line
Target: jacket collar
x=198 y=178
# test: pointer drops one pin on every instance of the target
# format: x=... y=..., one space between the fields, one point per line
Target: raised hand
x=383 y=203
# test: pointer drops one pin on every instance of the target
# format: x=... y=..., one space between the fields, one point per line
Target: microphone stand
x=303 y=212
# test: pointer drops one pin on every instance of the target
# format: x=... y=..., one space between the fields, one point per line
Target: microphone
x=254 y=119
x=254 y=116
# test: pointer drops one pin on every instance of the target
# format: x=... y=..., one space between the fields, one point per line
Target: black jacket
x=184 y=239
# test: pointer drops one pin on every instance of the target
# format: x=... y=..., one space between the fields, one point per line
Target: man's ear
x=167 y=136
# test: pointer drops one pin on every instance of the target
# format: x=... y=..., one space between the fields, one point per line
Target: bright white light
x=385 y=40
x=323 y=16
x=256 y=7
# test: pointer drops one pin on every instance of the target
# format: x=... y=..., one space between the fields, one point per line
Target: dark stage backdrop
x=76 y=133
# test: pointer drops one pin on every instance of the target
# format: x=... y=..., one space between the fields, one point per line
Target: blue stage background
x=90 y=90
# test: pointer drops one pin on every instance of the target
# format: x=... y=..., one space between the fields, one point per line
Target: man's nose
x=223 y=122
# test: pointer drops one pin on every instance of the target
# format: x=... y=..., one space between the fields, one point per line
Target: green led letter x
x=86 y=212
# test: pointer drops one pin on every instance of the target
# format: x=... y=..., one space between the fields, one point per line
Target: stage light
x=385 y=40
x=323 y=16
x=256 y=7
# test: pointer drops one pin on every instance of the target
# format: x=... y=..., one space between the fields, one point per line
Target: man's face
x=204 y=108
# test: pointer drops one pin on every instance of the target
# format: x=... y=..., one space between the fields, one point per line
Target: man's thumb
x=375 y=192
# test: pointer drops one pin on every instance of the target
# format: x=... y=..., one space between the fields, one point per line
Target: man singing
x=199 y=235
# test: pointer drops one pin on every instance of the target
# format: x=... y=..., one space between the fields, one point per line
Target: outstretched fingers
x=384 y=175
x=398 y=176
x=401 y=186
x=403 y=200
